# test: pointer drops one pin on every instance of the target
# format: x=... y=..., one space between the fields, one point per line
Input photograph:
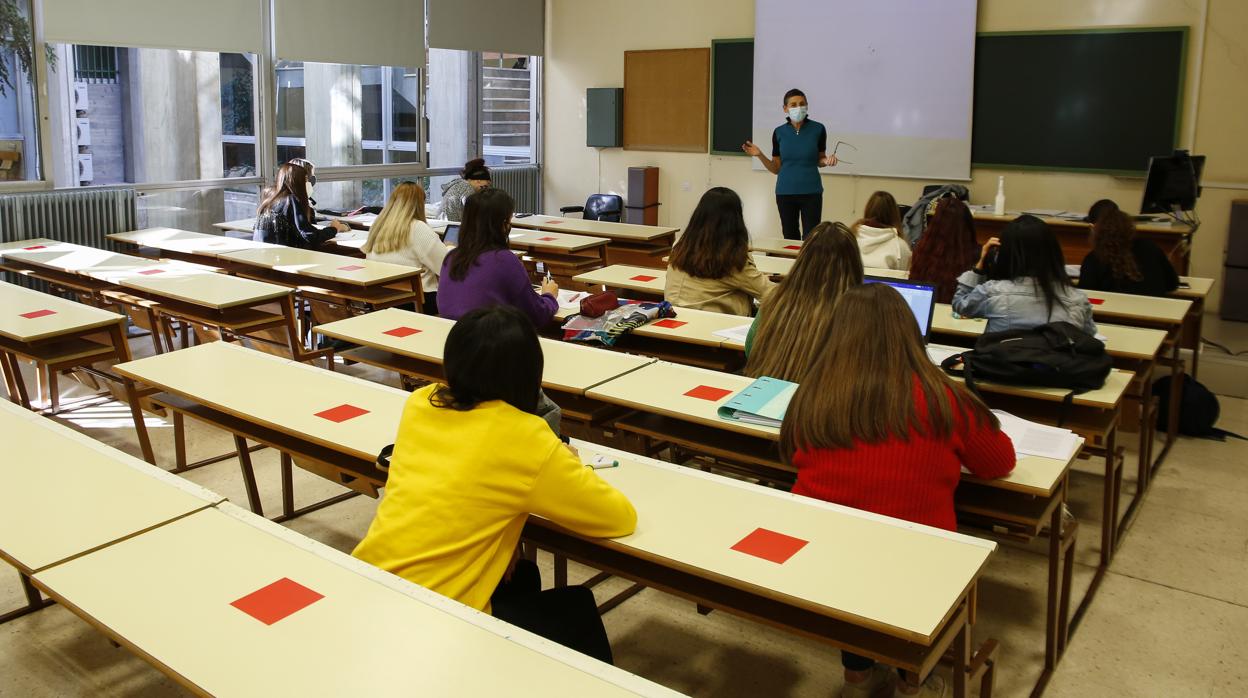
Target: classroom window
x=346 y=115
x=197 y=209
x=508 y=108
x=19 y=142
x=156 y=115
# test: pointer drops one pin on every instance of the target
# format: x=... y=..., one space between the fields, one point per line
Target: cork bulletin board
x=667 y=99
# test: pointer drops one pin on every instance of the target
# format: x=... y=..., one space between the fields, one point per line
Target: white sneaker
x=878 y=684
x=933 y=687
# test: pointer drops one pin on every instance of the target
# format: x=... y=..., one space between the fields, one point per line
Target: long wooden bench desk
x=630 y=243
x=285 y=615
x=1075 y=236
x=57 y=334
x=637 y=282
x=329 y=277
x=702 y=553
x=330 y=423
x=693 y=337
x=66 y=494
x=411 y=344
x=564 y=255
x=185 y=245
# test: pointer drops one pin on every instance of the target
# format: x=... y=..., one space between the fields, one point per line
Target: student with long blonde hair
x=784 y=338
x=400 y=235
x=875 y=425
x=879 y=234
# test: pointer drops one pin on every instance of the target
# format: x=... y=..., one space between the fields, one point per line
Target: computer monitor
x=1173 y=182
x=919 y=296
x=451 y=237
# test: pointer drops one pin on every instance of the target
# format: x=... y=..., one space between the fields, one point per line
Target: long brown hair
x=797 y=316
x=1113 y=234
x=948 y=248
x=486 y=222
x=393 y=228
x=881 y=211
x=716 y=242
x=861 y=387
x=292 y=182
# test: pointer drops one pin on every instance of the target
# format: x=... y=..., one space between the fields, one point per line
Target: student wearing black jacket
x=285 y=215
x=1121 y=262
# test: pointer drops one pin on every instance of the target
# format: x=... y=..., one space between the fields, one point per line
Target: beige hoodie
x=882 y=248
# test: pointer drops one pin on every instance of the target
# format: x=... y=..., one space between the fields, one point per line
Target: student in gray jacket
x=473 y=178
x=1020 y=282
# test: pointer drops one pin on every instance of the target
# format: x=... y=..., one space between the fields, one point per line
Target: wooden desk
x=630 y=244
x=689 y=338
x=562 y=254
x=330 y=277
x=868 y=611
x=569 y=370
x=773 y=266
x=167 y=594
x=1197 y=291
x=67 y=266
x=185 y=245
x=217 y=383
x=1075 y=237
x=55 y=333
x=779 y=247
x=241 y=225
x=641 y=282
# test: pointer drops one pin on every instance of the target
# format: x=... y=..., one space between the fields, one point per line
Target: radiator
x=524 y=183
x=80 y=217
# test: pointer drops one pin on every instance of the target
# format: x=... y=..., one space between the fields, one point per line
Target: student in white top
x=879 y=234
x=400 y=235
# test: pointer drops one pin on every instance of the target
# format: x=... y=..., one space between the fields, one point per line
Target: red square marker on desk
x=149 y=272
x=792 y=247
x=706 y=392
x=38 y=314
x=277 y=601
x=350 y=267
x=402 y=332
x=546 y=239
x=770 y=546
x=1096 y=301
x=670 y=323
x=554 y=222
x=341 y=413
x=35 y=247
x=642 y=277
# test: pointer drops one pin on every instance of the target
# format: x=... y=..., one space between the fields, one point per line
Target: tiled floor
x=1171 y=618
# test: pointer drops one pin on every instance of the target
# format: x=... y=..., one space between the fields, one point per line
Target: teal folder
x=763 y=402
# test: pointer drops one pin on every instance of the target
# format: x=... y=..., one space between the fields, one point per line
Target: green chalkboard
x=732 y=94
x=1092 y=100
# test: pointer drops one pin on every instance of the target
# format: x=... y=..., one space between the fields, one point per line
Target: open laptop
x=451 y=236
x=921 y=298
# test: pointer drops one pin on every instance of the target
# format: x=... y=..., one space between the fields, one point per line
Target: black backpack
x=1055 y=355
x=1198 y=409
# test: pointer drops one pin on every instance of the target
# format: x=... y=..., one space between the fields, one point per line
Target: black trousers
x=429 y=305
x=808 y=206
x=568 y=615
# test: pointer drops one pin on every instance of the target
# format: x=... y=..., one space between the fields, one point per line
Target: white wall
x=585 y=45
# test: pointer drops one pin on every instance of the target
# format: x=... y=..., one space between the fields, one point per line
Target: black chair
x=599 y=207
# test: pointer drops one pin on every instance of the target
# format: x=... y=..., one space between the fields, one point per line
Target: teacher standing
x=798 y=149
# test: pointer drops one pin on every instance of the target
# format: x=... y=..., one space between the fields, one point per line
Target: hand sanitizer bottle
x=998 y=208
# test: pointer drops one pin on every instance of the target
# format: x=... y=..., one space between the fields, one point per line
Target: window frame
x=265 y=125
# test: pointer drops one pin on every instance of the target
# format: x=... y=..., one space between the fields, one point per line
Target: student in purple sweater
x=483 y=271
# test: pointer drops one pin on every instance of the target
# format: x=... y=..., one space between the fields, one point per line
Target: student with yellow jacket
x=471 y=462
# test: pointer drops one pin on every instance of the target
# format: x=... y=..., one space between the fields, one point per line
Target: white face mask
x=797 y=113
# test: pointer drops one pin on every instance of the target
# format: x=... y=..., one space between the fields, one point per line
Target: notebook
x=763 y=402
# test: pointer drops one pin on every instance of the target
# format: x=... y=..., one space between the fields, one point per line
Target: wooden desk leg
x=13 y=380
x=961 y=658
x=293 y=340
x=249 y=476
x=153 y=320
x=34 y=601
x=1195 y=330
x=140 y=424
x=54 y=389
x=419 y=292
x=1054 y=599
x=288 y=486
x=1109 y=507
x=561 y=570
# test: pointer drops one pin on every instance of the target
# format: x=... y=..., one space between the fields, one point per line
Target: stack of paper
x=1033 y=439
x=763 y=402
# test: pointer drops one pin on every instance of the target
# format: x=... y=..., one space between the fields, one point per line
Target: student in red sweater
x=877 y=426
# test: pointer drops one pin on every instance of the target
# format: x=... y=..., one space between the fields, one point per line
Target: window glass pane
x=19 y=141
x=447 y=98
x=155 y=115
x=197 y=209
x=508 y=102
x=345 y=115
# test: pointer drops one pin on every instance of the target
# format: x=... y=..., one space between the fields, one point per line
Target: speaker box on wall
x=604 y=112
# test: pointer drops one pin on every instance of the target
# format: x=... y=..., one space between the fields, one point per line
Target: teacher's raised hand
x=751 y=149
